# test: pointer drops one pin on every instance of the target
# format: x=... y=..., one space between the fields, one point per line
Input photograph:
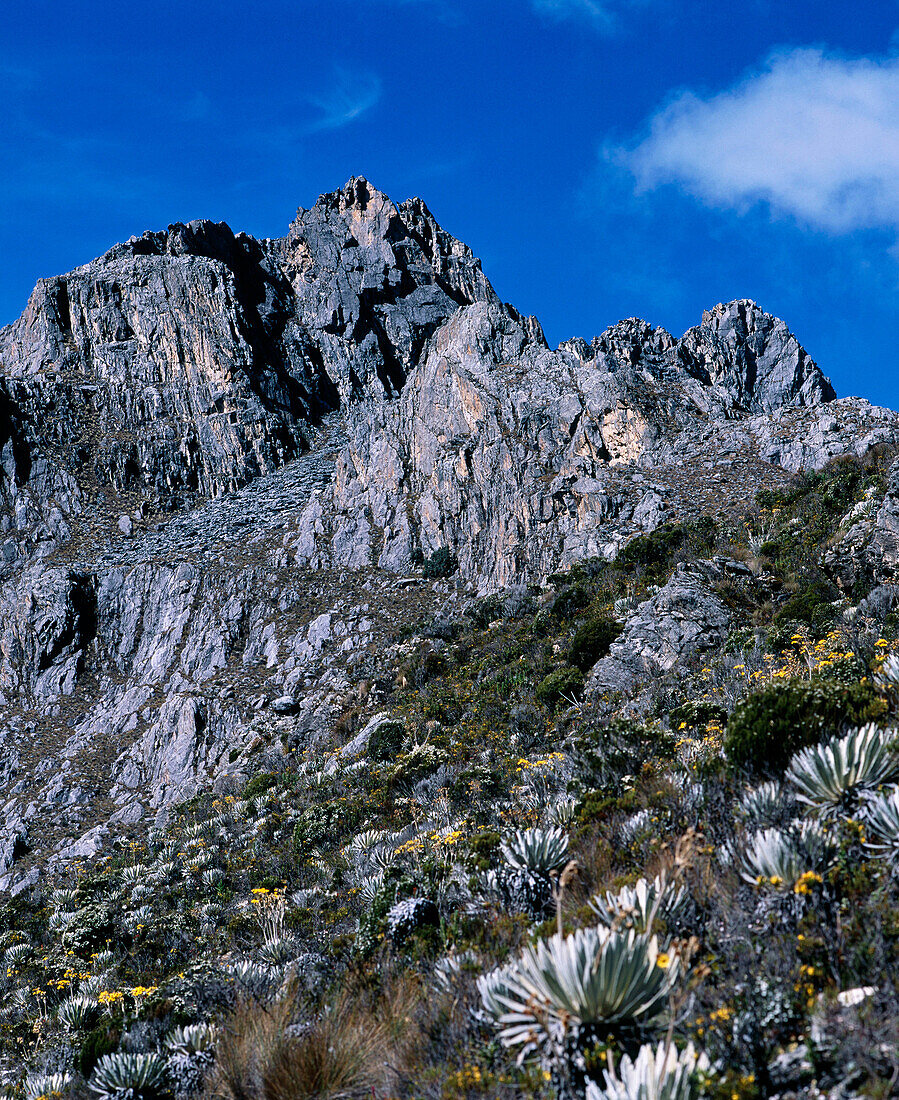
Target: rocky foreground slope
x=225 y=460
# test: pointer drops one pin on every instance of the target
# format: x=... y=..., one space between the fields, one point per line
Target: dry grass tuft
x=354 y=1048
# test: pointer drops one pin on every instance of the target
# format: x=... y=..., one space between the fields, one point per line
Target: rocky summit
x=278 y=515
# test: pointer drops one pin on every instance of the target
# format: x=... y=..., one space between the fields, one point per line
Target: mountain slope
x=364 y=364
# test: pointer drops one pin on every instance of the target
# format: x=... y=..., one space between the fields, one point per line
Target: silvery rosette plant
x=780 y=857
x=881 y=814
x=126 y=1076
x=829 y=778
x=638 y=906
x=767 y=804
x=539 y=850
x=657 y=1073
x=78 y=1012
x=49 y=1085
x=551 y=1000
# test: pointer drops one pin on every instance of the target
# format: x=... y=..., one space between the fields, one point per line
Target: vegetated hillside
x=397 y=707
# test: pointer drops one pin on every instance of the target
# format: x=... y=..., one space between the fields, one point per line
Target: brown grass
x=355 y=1047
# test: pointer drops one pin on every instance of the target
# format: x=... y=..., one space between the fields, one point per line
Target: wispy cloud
x=351 y=95
x=815 y=137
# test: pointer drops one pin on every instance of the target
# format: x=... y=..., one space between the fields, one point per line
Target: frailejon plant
x=540 y=850
x=562 y=812
x=48 y=1085
x=127 y=1076
x=190 y=1039
x=638 y=907
x=657 y=1073
x=881 y=814
x=17 y=955
x=562 y=989
x=887 y=677
x=78 y=1012
x=830 y=777
x=766 y=804
x=780 y=857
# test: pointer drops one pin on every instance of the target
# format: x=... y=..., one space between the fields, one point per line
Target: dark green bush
x=90 y=929
x=768 y=727
x=318 y=824
x=812 y=605
x=592 y=641
x=601 y=757
x=571 y=599
x=259 y=784
x=486 y=781
x=442 y=563
x=102 y=1040
x=386 y=741
x=483 y=847
x=422 y=761
x=565 y=681
x=655 y=549
x=697 y=712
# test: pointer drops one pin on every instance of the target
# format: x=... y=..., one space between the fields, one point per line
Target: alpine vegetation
x=829 y=778
x=657 y=1073
x=538 y=850
x=559 y=996
x=129 y=1077
x=780 y=857
x=638 y=907
x=881 y=815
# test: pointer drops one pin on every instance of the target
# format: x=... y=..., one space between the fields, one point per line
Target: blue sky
x=605 y=158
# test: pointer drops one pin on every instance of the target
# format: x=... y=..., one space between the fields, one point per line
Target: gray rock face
x=684 y=618
x=867 y=548
x=195 y=359
x=220 y=458
x=521 y=459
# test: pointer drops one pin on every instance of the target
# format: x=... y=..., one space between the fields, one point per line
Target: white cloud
x=815 y=137
x=351 y=95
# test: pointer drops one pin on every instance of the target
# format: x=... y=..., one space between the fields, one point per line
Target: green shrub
x=442 y=563
x=485 y=780
x=422 y=761
x=97 y=1043
x=656 y=552
x=698 y=712
x=564 y=683
x=484 y=847
x=386 y=741
x=259 y=784
x=592 y=641
x=655 y=549
x=768 y=727
x=90 y=928
x=317 y=825
x=811 y=604
x=601 y=757
x=571 y=599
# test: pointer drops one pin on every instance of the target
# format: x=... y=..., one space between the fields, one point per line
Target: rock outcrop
x=684 y=618
x=221 y=459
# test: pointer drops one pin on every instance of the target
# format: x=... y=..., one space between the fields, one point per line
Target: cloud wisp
x=351 y=95
x=814 y=137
